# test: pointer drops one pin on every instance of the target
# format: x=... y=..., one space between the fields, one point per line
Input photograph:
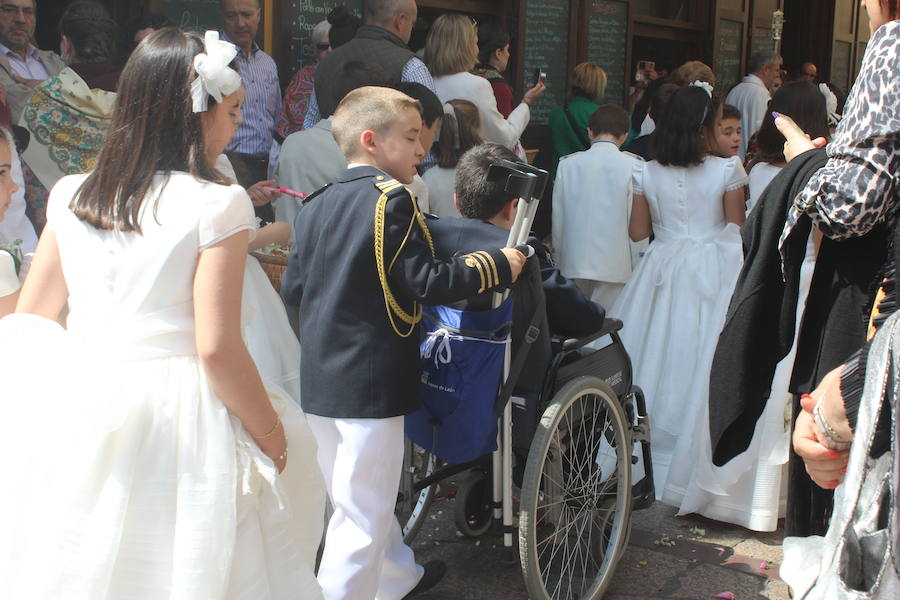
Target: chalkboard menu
x=546 y=47
x=194 y=15
x=840 y=64
x=728 y=54
x=306 y=15
x=761 y=40
x=607 y=43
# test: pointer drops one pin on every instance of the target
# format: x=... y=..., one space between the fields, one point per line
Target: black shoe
x=434 y=572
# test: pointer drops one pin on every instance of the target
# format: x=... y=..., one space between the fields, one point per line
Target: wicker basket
x=273 y=266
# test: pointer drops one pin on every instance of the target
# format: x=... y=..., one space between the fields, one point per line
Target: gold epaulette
x=392 y=188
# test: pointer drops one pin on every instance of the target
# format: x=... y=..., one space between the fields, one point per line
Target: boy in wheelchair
x=488 y=213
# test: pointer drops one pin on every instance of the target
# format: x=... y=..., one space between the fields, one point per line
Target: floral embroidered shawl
x=67 y=121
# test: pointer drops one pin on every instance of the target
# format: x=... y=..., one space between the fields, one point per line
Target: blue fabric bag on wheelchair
x=462 y=369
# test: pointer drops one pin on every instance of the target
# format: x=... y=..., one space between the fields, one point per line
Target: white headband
x=706 y=87
x=214 y=77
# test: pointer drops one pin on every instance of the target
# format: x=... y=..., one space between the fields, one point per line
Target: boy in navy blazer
x=361 y=265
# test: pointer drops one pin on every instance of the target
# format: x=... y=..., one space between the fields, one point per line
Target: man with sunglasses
x=22 y=66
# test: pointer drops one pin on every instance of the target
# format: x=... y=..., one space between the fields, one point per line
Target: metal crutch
x=529 y=190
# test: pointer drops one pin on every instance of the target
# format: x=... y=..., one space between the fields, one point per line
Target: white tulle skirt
x=126 y=478
x=673 y=309
x=268 y=333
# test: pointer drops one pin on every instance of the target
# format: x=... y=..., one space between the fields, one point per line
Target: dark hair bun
x=339 y=15
x=343 y=26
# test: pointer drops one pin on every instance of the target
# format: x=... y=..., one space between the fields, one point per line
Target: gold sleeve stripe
x=474 y=263
x=482 y=264
x=489 y=283
x=490 y=260
x=487 y=268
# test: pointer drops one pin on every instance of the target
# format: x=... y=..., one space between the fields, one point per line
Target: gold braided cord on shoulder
x=390 y=302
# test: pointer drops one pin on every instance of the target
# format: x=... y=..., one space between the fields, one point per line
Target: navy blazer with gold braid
x=354 y=364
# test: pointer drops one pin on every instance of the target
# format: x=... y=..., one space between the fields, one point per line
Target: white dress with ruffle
x=132 y=480
x=673 y=306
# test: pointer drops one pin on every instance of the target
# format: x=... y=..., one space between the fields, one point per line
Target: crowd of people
x=745 y=238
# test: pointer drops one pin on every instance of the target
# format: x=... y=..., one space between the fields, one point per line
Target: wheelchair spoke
x=576 y=515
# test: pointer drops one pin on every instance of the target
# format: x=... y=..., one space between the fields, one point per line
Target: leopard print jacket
x=858 y=188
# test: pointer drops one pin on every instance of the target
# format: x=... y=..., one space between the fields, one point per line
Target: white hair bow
x=214 y=77
x=831 y=104
x=706 y=87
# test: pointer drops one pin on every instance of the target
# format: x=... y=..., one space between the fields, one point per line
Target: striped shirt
x=262 y=103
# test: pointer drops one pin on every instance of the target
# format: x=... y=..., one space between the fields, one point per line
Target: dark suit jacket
x=354 y=365
x=568 y=311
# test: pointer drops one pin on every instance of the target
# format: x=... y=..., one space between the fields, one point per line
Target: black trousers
x=250 y=169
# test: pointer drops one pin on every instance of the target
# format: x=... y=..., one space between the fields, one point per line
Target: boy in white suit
x=591 y=208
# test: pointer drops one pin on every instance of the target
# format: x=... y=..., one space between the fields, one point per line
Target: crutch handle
x=526 y=250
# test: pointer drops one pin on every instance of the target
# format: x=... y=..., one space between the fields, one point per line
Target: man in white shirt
x=751 y=96
x=591 y=208
x=22 y=66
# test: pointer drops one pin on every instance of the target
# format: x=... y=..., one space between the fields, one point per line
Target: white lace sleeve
x=736 y=176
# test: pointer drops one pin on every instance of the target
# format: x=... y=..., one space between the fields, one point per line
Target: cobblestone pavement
x=707 y=558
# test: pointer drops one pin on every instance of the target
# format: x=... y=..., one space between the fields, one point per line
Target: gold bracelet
x=271 y=431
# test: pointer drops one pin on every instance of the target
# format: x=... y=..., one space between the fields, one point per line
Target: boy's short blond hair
x=365 y=108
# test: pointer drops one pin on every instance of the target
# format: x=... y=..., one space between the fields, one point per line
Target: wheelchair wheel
x=473 y=507
x=412 y=506
x=575 y=512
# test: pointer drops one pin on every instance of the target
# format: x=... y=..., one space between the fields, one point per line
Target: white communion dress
x=133 y=480
x=674 y=305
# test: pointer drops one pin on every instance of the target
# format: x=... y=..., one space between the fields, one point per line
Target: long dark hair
x=804 y=103
x=690 y=116
x=91 y=30
x=153 y=129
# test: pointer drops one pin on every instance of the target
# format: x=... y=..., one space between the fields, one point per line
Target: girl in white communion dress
x=674 y=305
x=152 y=461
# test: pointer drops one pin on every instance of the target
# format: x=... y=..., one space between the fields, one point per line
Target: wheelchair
x=576 y=491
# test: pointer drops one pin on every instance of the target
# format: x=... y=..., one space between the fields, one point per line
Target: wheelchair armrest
x=609 y=326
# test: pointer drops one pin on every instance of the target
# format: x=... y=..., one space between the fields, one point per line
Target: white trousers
x=364 y=556
x=603 y=293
